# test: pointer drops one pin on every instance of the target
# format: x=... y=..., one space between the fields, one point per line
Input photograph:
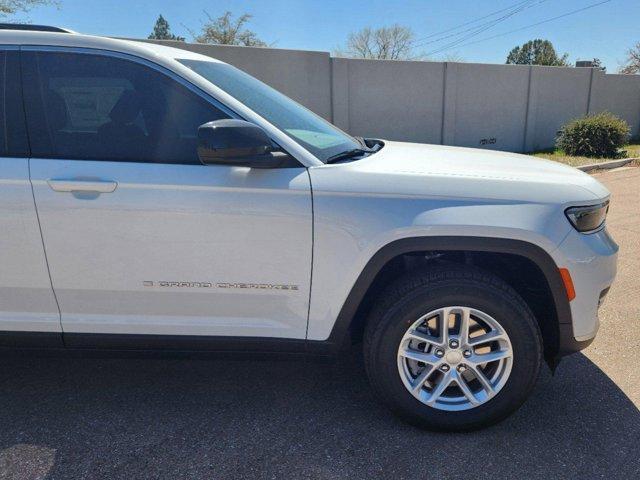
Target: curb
x=607 y=165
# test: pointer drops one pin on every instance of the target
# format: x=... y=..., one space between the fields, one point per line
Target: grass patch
x=629 y=151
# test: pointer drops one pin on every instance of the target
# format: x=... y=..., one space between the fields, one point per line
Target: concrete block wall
x=556 y=96
x=501 y=107
x=619 y=94
x=391 y=99
x=485 y=107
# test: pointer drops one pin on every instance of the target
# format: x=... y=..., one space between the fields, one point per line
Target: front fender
x=340 y=331
x=354 y=235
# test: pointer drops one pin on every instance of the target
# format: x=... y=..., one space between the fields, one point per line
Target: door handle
x=95 y=186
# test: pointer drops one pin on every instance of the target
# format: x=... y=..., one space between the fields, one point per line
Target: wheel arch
x=351 y=318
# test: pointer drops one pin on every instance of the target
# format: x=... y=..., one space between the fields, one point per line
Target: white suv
x=157 y=199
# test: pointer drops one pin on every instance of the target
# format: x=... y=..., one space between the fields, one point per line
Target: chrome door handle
x=96 y=186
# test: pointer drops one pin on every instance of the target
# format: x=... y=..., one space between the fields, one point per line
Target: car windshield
x=315 y=134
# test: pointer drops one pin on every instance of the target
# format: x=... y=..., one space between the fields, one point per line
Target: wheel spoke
x=466 y=390
x=419 y=356
x=443 y=318
x=492 y=336
x=490 y=357
x=484 y=381
x=463 y=334
x=418 y=383
x=423 y=337
x=445 y=381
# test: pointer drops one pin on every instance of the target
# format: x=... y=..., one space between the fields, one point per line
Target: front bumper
x=591 y=259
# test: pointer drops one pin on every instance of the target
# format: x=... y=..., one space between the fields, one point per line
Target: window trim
x=27 y=153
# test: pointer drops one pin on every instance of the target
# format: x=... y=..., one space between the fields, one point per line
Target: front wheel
x=452 y=349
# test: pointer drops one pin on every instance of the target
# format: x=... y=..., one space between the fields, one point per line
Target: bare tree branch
x=633 y=61
x=9 y=7
x=385 y=43
x=224 y=30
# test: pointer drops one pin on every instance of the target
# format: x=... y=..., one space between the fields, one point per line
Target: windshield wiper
x=354 y=152
x=376 y=144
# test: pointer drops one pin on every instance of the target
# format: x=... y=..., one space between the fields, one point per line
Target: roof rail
x=33 y=28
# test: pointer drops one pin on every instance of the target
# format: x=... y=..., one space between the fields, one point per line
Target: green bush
x=600 y=135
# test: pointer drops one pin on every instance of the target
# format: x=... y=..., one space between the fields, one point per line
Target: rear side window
x=13 y=132
x=95 y=107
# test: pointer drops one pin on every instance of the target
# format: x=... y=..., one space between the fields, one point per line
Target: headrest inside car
x=126 y=108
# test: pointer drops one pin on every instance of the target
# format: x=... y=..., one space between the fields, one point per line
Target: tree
x=597 y=63
x=537 y=52
x=9 y=7
x=453 y=58
x=225 y=30
x=162 y=31
x=633 y=61
x=385 y=43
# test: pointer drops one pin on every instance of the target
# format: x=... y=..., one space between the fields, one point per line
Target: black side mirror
x=237 y=143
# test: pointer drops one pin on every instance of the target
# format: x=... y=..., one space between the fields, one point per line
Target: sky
x=605 y=31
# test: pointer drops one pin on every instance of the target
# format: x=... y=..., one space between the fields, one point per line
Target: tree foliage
x=633 y=60
x=225 y=30
x=385 y=43
x=10 y=7
x=537 y=52
x=162 y=31
x=597 y=63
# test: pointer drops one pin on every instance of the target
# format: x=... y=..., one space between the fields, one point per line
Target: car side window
x=13 y=130
x=97 y=107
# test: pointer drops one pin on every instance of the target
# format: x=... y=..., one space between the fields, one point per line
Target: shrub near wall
x=600 y=135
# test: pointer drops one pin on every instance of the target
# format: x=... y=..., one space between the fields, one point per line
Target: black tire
x=415 y=295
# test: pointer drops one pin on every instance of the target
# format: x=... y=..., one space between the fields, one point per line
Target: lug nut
x=439 y=353
x=467 y=353
x=444 y=368
x=462 y=368
x=454 y=344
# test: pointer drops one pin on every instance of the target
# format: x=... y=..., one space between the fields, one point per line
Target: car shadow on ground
x=179 y=418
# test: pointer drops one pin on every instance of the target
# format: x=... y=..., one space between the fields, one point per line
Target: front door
x=140 y=237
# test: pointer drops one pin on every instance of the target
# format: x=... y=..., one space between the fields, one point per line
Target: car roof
x=150 y=51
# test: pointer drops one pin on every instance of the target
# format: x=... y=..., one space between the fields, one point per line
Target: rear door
x=28 y=310
x=143 y=239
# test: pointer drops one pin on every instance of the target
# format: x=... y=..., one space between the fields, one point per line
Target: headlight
x=588 y=219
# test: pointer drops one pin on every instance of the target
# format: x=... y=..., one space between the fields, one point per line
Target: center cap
x=453 y=357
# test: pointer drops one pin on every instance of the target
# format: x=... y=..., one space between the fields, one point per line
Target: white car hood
x=435 y=170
